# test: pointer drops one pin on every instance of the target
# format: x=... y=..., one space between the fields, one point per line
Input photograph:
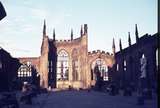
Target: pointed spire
x=54 y=35
x=120 y=45
x=113 y=47
x=44 y=28
x=136 y=33
x=129 y=39
x=81 y=32
x=71 y=34
x=85 y=29
x=113 y=44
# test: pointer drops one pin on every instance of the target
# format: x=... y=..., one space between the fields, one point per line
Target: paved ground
x=84 y=99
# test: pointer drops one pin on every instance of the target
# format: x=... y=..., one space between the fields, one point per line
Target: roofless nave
x=67 y=63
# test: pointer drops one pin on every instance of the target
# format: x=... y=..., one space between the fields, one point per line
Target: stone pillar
x=44 y=63
x=70 y=77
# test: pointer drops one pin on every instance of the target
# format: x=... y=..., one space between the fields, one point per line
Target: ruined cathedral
x=66 y=63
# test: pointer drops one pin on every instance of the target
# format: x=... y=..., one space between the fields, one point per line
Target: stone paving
x=84 y=99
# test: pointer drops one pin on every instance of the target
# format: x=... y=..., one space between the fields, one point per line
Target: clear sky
x=21 y=30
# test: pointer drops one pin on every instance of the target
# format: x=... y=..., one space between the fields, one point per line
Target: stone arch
x=108 y=60
x=63 y=51
x=103 y=68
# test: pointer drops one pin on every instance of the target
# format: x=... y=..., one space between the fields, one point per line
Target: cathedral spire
x=44 y=28
x=120 y=45
x=113 y=47
x=71 y=34
x=81 y=32
x=54 y=35
x=136 y=33
x=129 y=39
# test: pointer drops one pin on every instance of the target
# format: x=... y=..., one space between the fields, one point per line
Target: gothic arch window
x=125 y=65
x=75 y=65
x=25 y=70
x=143 y=62
x=50 y=65
x=117 y=67
x=62 y=65
x=157 y=59
x=103 y=68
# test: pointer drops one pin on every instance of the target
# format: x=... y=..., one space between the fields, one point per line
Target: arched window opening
x=143 y=62
x=62 y=65
x=157 y=59
x=50 y=66
x=102 y=67
x=117 y=67
x=25 y=70
x=125 y=65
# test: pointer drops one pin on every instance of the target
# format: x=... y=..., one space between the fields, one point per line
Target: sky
x=21 y=30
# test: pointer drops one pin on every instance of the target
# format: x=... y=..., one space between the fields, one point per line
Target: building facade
x=8 y=70
x=67 y=63
x=128 y=68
